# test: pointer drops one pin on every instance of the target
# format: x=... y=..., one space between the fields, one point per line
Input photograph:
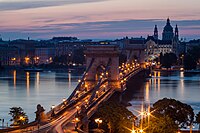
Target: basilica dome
x=168 y=27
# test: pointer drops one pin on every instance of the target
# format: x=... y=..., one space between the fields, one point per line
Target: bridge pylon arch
x=105 y=64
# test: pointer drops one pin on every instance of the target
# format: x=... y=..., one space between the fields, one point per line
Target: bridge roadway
x=64 y=123
x=70 y=126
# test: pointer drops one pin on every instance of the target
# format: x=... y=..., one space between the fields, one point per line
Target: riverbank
x=48 y=68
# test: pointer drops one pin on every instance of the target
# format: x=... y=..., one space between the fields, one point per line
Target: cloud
x=19 y=4
x=108 y=29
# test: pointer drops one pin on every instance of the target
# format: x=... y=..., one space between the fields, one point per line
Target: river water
x=181 y=86
x=26 y=90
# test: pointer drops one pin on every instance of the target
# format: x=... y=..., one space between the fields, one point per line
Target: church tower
x=176 y=33
x=155 y=35
x=168 y=33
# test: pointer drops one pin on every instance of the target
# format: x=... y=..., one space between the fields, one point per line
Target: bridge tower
x=105 y=60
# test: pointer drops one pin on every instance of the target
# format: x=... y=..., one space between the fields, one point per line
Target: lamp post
x=133 y=131
x=77 y=107
x=76 y=123
x=98 y=121
x=53 y=113
x=64 y=101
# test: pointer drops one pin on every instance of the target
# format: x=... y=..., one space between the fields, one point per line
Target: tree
x=189 y=62
x=122 y=58
x=192 y=58
x=198 y=120
x=79 y=57
x=181 y=113
x=116 y=118
x=19 y=117
x=169 y=59
x=161 y=125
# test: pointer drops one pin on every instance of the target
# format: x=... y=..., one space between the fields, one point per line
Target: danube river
x=26 y=90
x=182 y=86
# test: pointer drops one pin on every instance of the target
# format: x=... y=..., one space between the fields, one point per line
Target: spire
x=168 y=21
x=156 y=32
x=176 y=33
x=155 y=29
x=176 y=29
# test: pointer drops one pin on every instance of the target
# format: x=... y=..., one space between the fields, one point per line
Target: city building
x=192 y=43
x=44 y=55
x=169 y=44
x=9 y=55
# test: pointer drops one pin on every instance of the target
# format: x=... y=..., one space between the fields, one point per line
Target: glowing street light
x=76 y=123
x=98 y=121
x=21 y=118
x=53 y=106
x=141 y=130
x=77 y=107
x=133 y=131
x=64 y=99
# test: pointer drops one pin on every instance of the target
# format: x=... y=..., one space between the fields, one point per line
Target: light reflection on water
x=177 y=85
x=26 y=90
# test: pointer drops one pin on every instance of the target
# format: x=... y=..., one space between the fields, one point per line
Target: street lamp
x=97 y=94
x=141 y=130
x=133 y=131
x=98 y=121
x=53 y=113
x=64 y=101
x=76 y=122
x=77 y=107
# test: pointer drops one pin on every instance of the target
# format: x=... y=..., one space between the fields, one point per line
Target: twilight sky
x=99 y=19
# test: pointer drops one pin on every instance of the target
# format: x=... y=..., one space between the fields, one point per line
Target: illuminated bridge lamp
x=142 y=113
x=77 y=107
x=133 y=131
x=77 y=94
x=21 y=118
x=148 y=114
x=76 y=123
x=86 y=100
x=141 y=130
x=98 y=121
x=86 y=86
x=52 y=107
x=64 y=99
x=104 y=88
x=97 y=94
